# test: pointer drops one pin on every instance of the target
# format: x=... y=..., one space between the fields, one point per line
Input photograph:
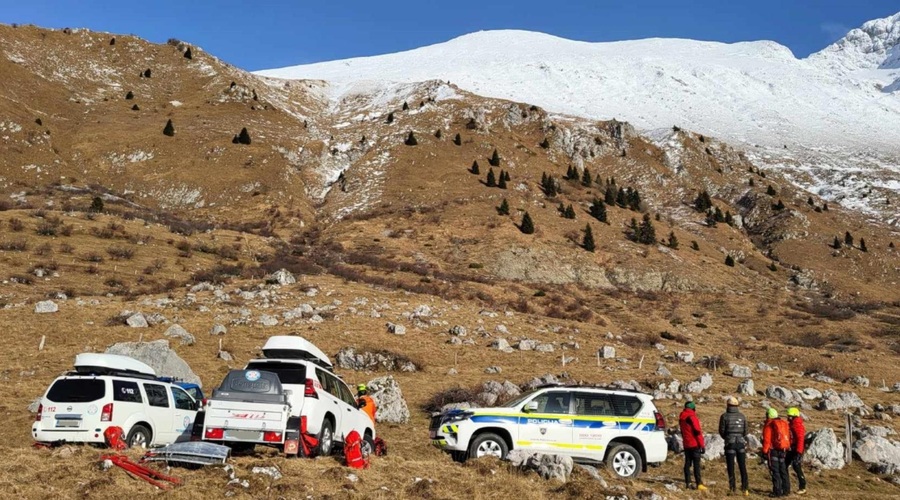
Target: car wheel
x=458 y=456
x=368 y=445
x=488 y=445
x=326 y=438
x=138 y=437
x=241 y=448
x=624 y=460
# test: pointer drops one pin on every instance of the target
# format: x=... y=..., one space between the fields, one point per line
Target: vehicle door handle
x=335 y=402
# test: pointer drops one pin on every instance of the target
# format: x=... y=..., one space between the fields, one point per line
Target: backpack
x=353 y=451
x=115 y=438
x=781 y=436
x=380 y=447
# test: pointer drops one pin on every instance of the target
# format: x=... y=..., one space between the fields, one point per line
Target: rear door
x=331 y=399
x=159 y=412
x=292 y=377
x=183 y=415
x=74 y=404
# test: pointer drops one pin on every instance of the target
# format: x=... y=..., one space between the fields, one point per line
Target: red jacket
x=691 y=432
x=798 y=435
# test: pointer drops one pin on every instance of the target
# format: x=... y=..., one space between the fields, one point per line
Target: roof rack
x=100 y=371
x=588 y=386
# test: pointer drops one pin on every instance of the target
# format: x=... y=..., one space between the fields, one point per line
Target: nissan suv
x=590 y=424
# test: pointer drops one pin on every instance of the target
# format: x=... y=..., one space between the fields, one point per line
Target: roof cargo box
x=291 y=347
x=100 y=364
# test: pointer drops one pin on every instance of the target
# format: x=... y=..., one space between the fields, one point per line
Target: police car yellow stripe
x=595 y=447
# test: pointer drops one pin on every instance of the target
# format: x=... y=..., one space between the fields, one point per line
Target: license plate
x=432 y=433
x=244 y=435
x=68 y=423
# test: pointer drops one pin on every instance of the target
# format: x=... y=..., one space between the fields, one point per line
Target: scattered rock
x=64 y=452
x=746 y=387
x=501 y=345
x=675 y=442
x=493 y=370
x=137 y=320
x=218 y=330
x=281 y=277
x=423 y=311
x=858 y=380
x=701 y=384
x=35 y=404
x=315 y=318
x=545 y=348
x=458 y=331
x=810 y=393
x=715 y=447
x=547 y=466
x=156 y=319
x=831 y=400
x=527 y=345
x=396 y=329
x=502 y=329
x=877 y=450
x=268 y=320
x=225 y=356
x=594 y=473
x=824 y=450
x=662 y=371
x=739 y=371
x=348 y=358
x=158 y=356
x=753 y=442
x=685 y=356
x=177 y=331
x=608 y=352
x=272 y=472
x=391 y=407
x=782 y=395
x=46 y=306
x=764 y=367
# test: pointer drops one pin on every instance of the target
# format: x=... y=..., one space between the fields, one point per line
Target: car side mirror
x=531 y=406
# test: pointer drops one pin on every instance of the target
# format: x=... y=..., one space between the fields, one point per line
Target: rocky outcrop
x=824 y=450
x=351 y=359
x=158 y=356
x=557 y=467
x=391 y=407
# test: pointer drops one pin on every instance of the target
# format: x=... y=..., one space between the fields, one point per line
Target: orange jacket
x=775 y=430
x=367 y=404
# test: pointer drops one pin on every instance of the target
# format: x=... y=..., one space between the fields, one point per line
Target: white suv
x=590 y=424
x=108 y=390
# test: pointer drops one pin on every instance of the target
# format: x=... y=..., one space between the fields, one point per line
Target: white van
x=108 y=390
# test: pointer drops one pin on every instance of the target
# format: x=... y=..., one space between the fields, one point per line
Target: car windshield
x=519 y=400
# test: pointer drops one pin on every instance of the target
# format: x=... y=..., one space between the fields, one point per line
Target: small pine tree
x=129 y=96
x=770 y=190
x=390 y=117
x=848 y=239
x=598 y=210
x=561 y=209
x=135 y=108
x=527 y=225
x=545 y=143
x=235 y=139
x=169 y=129
x=647 y=232
x=673 y=241
x=405 y=106
x=621 y=198
x=862 y=245
x=703 y=202
x=96 y=204
x=147 y=73
x=570 y=212
x=491 y=179
x=719 y=216
x=502 y=182
x=729 y=261
x=503 y=209
x=410 y=140
x=729 y=219
x=437 y=133
x=571 y=173
x=457 y=140
x=779 y=205
x=810 y=202
x=825 y=207
x=772 y=266
x=694 y=245
x=495 y=159
x=188 y=54
x=244 y=137
x=610 y=196
x=836 y=244
x=586 y=178
x=891 y=245
x=634 y=230
x=39 y=122
x=112 y=41
x=711 y=219
x=751 y=183
x=475 y=170
x=634 y=199
x=588 y=242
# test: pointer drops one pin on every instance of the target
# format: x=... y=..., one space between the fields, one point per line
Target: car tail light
x=309 y=390
x=40 y=412
x=215 y=433
x=272 y=437
x=660 y=420
x=107 y=414
x=203 y=402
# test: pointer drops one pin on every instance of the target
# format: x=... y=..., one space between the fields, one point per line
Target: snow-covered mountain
x=835 y=112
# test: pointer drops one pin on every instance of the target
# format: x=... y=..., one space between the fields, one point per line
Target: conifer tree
x=848 y=239
x=610 y=196
x=825 y=207
x=491 y=179
x=39 y=122
x=475 y=170
x=779 y=205
x=244 y=136
x=503 y=209
x=588 y=242
x=891 y=245
x=96 y=204
x=571 y=173
x=633 y=199
x=810 y=202
x=405 y=106
x=647 y=232
x=169 y=129
x=502 y=182
x=437 y=133
x=543 y=180
x=729 y=219
x=673 y=241
x=862 y=245
x=390 y=117
x=586 y=178
x=703 y=202
x=694 y=245
x=621 y=198
x=112 y=41
x=770 y=190
x=545 y=143
x=772 y=266
x=598 y=210
x=634 y=229
x=561 y=209
x=129 y=95
x=135 y=108
x=719 y=216
x=751 y=183
x=146 y=73
x=457 y=140
x=495 y=159
x=411 y=140
x=836 y=244
x=188 y=54
x=711 y=218
x=527 y=225
x=570 y=212
x=729 y=261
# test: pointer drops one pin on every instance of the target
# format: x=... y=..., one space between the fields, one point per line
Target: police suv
x=590 y=424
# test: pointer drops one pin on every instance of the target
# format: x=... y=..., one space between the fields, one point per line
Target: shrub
x=135 y=108
x=120 y=253
x=545 y=143
x=453 y=395
x=66 y=248
x=770 y=190
x=44 y=249
x=46 y=228
x=16 y=225
x=673 y=241
x=390 y=117
x=93 y=257
x=729 y=261
x=457 y=140
x=146 y=73
x=188 y=54
x=169 y=129
x=437 y=134
x=676 y=337
x=19 y=245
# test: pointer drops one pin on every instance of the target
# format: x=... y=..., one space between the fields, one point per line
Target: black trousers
x=795 y=460
x=692 y=459
x=781 y=481
x=736 y=454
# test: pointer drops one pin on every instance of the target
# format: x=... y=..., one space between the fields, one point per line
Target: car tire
x=488 y=445
x=241 y=448
x=368 y=445
x=624 y=461
x=138 y=437
x=326 y=439
x=458 y=456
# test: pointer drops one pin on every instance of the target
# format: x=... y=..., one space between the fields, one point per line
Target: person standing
x=694 y=444
x=365 y=402
x=776 y=444
x=798 y=446
x=733 y=429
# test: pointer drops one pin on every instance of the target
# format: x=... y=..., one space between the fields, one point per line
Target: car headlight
x=457 y=416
